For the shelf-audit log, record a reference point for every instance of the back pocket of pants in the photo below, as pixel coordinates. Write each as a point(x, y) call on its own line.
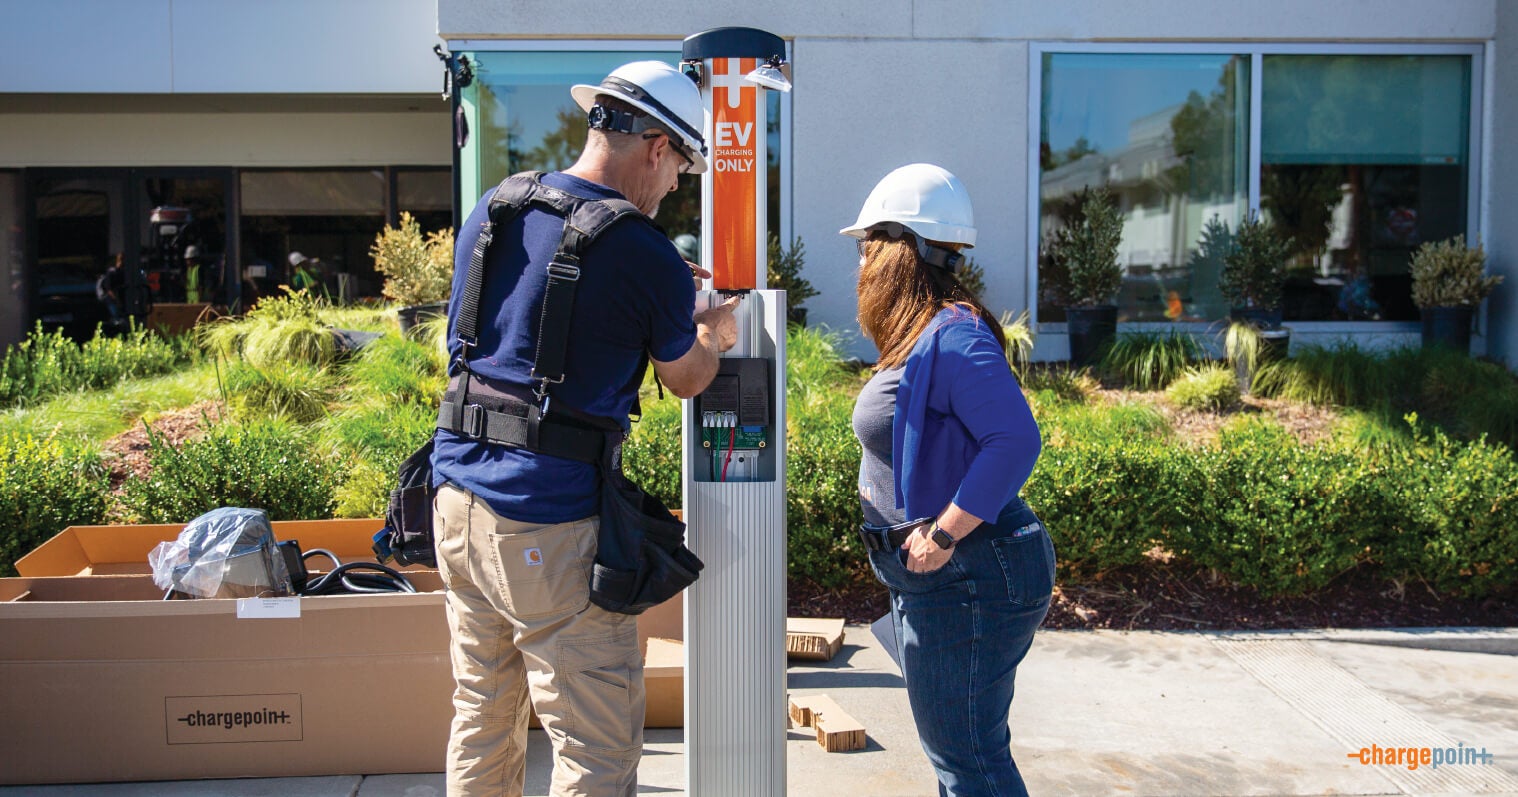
point(545, 574)
point(1027, 562)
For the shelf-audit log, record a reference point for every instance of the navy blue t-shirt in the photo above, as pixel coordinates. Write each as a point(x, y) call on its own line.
point(634, 293)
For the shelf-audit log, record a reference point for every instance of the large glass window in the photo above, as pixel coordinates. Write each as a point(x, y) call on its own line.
point(1168, 135)
point(329, 217)
point(527, 120)
point(1363, 158)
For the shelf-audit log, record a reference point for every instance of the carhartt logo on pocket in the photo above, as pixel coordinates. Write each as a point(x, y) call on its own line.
point(534, 557)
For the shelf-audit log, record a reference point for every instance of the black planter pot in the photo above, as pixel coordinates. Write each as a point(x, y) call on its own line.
point(1274, 345)
point(1259, 317)
point(412, 315)
point(1448, 326)
point(1091, 331)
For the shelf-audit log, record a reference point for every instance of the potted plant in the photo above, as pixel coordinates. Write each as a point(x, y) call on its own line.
point(1448, 283)
point(1082, 259)
point(418, 271)
point(1252, 279)
point(784, 267)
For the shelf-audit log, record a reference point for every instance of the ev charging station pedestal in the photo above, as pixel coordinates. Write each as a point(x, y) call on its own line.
point(733, 444)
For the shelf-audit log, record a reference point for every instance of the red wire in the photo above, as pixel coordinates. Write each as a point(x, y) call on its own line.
point(730, 436)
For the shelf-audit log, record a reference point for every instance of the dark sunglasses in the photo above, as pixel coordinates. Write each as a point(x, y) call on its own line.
point(675, 145)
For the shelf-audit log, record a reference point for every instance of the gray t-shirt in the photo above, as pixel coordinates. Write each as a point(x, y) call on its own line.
point(874, 411)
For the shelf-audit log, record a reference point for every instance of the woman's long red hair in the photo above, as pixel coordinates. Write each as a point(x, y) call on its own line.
point(899, 295)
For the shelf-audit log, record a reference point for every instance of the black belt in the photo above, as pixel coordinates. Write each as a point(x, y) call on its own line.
point(889, 538)
point(505, 415)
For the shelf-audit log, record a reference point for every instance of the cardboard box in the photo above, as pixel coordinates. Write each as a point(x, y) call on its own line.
point(813, 638)
point(101, 680)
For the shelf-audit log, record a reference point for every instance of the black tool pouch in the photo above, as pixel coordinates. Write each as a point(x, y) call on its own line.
point(641, 559)
point(407, 535)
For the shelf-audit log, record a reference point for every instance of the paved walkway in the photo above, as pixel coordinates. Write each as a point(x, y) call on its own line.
point(1138, 713)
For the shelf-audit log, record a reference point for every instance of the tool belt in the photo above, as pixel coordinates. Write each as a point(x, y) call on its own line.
point(509, 415)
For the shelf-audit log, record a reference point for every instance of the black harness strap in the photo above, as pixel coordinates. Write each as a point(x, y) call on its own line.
point(501, 415)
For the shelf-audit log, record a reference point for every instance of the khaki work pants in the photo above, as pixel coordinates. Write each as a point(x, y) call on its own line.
point(522, 627)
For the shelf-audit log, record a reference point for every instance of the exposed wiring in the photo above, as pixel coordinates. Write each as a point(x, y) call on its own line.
point(731, 435)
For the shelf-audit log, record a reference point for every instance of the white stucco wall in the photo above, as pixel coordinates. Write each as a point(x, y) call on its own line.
point(218, 46)
point(879, 84)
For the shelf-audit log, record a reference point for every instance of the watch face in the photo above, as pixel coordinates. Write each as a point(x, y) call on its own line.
point(943, 539)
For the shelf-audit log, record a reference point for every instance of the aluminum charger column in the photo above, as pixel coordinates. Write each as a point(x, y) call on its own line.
point(735, 713)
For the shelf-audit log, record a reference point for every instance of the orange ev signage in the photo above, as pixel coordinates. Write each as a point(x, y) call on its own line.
point(735, 161)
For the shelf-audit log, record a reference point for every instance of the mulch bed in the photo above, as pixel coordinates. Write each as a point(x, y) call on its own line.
point(126, 454)
point(1162, 600)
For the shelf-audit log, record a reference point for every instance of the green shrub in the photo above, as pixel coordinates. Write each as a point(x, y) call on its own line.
point(47, 364)
point(1281, 517)
point(1151, 360)
point(267, 464)
point(1463, 507)
point(374, 437)
point(1210, 387)
point(1109, 499)
point(46, 485)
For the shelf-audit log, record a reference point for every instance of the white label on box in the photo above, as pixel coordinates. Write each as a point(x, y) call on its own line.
point(257, 608)
point(211, 719)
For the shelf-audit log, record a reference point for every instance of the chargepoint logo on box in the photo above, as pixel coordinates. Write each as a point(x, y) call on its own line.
point(211, 719)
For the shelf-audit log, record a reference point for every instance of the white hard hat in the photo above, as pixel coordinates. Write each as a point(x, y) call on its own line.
point(191, 251)
point(662, 92)
point(926, 199)
point(296, 258)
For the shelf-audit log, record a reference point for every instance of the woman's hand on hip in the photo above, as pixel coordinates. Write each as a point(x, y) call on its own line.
point(923, 554)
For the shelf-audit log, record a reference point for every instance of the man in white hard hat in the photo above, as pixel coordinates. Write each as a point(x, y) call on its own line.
point(516, 529)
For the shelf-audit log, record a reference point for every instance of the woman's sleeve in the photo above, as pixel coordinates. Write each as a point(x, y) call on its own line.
point(981, 392)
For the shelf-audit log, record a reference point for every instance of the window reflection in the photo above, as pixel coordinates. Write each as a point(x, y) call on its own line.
point(1168, 134)
point(1363, 158)
point(528, 121)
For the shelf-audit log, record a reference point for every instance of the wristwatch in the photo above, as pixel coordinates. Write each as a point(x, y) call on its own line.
point(943, 538)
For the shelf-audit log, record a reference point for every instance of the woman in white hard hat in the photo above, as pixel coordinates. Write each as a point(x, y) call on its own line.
point(947, 441)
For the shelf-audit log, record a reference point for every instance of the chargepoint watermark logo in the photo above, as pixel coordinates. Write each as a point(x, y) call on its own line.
point(209, 719)
point(1415, 757)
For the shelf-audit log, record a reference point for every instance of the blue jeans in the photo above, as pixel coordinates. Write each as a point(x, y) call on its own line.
point(962, 630)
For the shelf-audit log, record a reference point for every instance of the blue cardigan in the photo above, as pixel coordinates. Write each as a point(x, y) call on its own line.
point(962, 429)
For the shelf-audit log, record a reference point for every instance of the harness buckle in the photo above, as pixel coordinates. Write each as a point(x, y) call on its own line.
point(473, 422)
point(563, 269)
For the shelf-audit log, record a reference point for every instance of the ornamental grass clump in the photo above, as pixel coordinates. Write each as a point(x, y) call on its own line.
point(1151, 360)
point(1213, 388)
point(418, 270)
point(1450, 274)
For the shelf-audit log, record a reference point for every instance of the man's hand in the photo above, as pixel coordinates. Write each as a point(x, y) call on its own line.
point(720, 324)
point(697, 273)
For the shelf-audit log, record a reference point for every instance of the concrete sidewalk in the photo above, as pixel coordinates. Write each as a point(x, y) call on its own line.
point(1140, 713)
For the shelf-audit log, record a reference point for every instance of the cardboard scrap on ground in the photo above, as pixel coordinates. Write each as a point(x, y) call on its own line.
point(836, 731)
point(813, 638)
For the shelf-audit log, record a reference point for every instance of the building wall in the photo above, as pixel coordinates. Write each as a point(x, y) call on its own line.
point(879, 84)
point(219, 46)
